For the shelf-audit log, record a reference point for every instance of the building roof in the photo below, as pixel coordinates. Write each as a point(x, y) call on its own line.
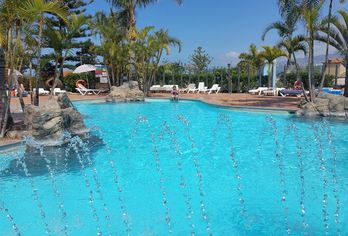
point(67, 72)
point(335, 61)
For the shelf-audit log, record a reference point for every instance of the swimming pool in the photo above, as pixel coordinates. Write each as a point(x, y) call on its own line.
point(161, 168)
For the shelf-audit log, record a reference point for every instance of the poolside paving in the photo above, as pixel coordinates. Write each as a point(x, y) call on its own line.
point(15, 105)
point(241, 100)
point(235, 99)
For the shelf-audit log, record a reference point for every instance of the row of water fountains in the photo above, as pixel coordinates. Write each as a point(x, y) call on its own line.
point(78, 156)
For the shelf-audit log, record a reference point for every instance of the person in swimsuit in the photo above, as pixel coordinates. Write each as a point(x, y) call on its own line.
point(298, 85)
point(175, 94)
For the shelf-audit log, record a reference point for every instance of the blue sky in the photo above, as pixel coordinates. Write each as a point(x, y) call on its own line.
point(224, 28)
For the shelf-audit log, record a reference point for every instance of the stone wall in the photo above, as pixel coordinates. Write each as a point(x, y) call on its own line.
point(50, 124)
point(326, 105)
point(128, 92)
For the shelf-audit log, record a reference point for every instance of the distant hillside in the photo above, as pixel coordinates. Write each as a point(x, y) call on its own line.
point(318, 60)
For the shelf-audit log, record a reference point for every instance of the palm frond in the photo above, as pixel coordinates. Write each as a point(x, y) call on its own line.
point(34, 8)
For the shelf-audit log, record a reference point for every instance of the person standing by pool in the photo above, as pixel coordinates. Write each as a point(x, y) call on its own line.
point(175, 94)
point(22, 90)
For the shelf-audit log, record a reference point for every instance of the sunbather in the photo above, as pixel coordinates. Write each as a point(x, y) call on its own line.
point(298, 85)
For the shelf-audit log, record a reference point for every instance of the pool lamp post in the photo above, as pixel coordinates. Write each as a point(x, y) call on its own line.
point(229, 78)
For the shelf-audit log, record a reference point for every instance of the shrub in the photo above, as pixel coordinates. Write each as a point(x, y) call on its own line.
point(69, 82)
point(291, 78)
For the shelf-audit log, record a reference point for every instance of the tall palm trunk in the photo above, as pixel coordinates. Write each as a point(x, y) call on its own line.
point(270, 75)
point(21, 100)
point(249, 75)
point(30, 81)
point(299, 78)
point(131, 38)
point(3, 80)
point(132, 23)
point(113, 76)
point(37, 76)
point(346, 79)
point(296, 67)
point(311, 64)
point(55, 79)
point(6, 119)
point(286, 70)
point(327, 48)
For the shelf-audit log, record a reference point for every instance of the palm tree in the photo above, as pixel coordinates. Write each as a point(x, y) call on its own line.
point(290, 47)
point(327, 43)
point(287, 7)
point(253, 59)
point(113, 47)
point(337, 34)
point(148, 50)
point(128, 12)
point(310, 12)
point(11, 32)
point(285, 27)
point(290, 13)
point(270, 54)
point(30, 48)
point(62, 42)
point(35, 11)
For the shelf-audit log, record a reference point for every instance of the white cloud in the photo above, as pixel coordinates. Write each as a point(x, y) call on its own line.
point(230, 57)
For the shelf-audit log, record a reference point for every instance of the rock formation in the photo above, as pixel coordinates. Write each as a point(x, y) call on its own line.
point(128, 92)
point(326, 105)
point(50, 124)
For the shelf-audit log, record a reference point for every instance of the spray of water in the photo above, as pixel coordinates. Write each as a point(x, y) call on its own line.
point(31, 142)
point(36, 197)
point(9, 217)
point(155, 140)
point(323, 169)
point(199, 176)
point(183, 182)
point(226, 122)
point(333, 150)
point(75, 144)
point(125, 218)
point(85, 152)
point(292, 128)
point(280, 160)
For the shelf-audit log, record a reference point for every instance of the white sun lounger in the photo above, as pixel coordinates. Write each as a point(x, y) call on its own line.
point(258, 90)
point(83, 90)
point(58, 91)
point(202, 88)
point(162, 89)
point(155, 88)
point(215, 88)
point(189, 88)
point(42, 91)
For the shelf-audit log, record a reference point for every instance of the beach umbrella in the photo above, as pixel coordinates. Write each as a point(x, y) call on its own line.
point(84, 69)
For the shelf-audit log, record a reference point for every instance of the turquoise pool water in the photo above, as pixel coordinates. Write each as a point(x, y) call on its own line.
point(182, 168)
